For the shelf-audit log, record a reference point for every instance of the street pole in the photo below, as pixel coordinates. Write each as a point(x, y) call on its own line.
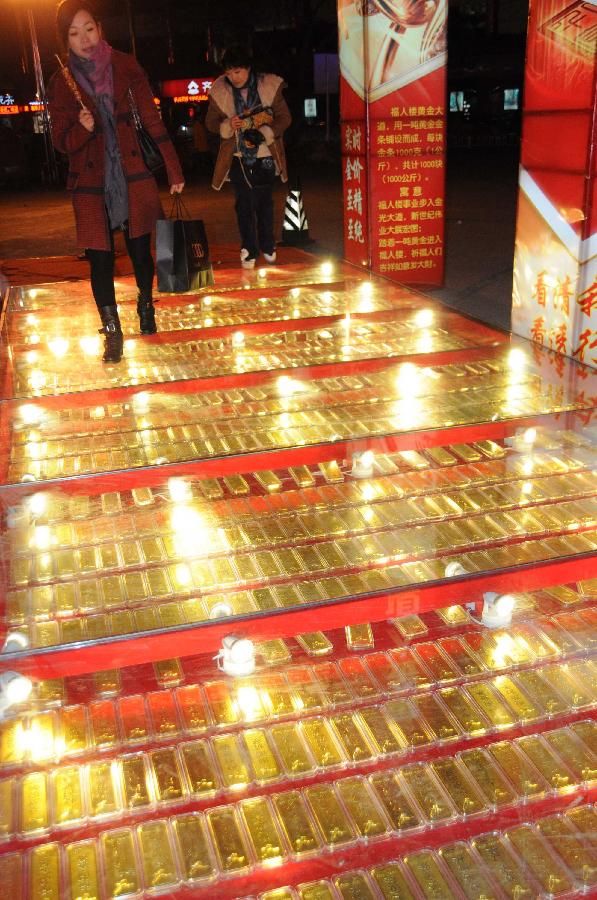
point(52, 167)
point(129, 16)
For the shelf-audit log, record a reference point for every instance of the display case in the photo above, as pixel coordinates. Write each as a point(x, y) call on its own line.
point(299, 599)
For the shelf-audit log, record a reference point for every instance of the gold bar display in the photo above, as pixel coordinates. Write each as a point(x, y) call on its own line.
point(329, 815)
point(564, 841)
point(353, 886)
point(296, 822)
point(167, 775)
point(200, 769)
point(427, 793)
point(135, 782)
point(315, 890)
point(363, 810)
point(466, 872)
point(7, 807)
point(263, 762)
point(428, 875)
point(557, 775)
point(266, 841)
point(35, 814)
point(322, 743)
point(524, 777)
point(291, 749)
point(491, 781)
point(466, 798)
point(552, 876)
point(68, 795)
point(103, 792)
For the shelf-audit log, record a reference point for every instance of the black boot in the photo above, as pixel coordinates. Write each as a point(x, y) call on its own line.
point(113, 333)
point(146, 314)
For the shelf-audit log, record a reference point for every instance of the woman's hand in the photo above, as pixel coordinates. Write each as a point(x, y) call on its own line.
point(177, 188)
point(236, 122)
point(86, 119)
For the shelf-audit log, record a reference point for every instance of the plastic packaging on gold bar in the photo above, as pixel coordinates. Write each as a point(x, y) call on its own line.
point(464, 795)
point(565, 842)
point(555, 773)
point(82, 869)
point(261, 757)
point(44, 873)
point(296, 822)
point(551, 874)
point(193, 848)
point(227, 837)
point(523, 776)
point(365, 813)
point(120, 868)
point(493, 784)
point(354, 886)
point(136, 790)
point(264, 835)
point(322, 743)
point(167, 776)
point(329, 815)
point(68, 801)
point(466, 872)
point(291, 749)
point(427, 873)
point(34, 812)
point(159, 866)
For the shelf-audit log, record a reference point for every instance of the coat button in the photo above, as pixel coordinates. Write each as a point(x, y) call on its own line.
point(90, 165)
point(133, 153)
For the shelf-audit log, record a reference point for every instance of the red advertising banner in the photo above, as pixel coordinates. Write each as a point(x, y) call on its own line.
point(555, 263)
point(187, 90)
point(392, 107)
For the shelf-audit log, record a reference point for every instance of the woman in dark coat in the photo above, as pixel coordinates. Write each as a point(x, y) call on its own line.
point(92, 123)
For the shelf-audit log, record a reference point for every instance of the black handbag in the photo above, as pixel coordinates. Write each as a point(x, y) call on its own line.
point(152, 157)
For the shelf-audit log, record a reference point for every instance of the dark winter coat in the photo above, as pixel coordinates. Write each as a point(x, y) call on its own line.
point(85, 151)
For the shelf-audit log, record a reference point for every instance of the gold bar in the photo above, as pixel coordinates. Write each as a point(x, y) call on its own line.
point(466, 871)
point(11, 876)
point(334, 686)
point(316, 890)
point(135, 785)
point(549, 873)
point(302, 476)
point(274, 652)
point(200, 768)
point(359, 637)
point(7, 807)
point(44, 873)
point(524, 777)
point(503, 867)
point(436, 718)
point(314, 643)
point(381, 733)
point(42, 737)
point(194, 853)
point(491, 705)
point(465, 713)
point(275, 695)
point(424, 868)
point(192, 708)
point(492, 783)
point(398, 808)
point(219, 698)
point(268, 480)
point(228, 754)
point(163, 713)
point(103, 798)
point(428, 795)
point(366, 815)
point(321, 742)
point(167, 775)
point(263, 832)
point(291, 749)
point(159, 868)
point(264, 764)
point(81, 861)
point(541, 692)
point(331, 471)
point(353, 885)
point(555, 773)
point(231, 851)
point(120, 863)
point(296, 822)
point(103, 724)
point(393, 885)
point(12, 744)
point(579, 759)
point(461, 791)
point(107, 682)
point(329, 815)
point(68, 795)
point(352, 738)
point(133, 718)
point(34, 803)
point(563, 841)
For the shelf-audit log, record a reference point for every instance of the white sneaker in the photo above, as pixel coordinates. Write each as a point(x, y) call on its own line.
point(245, 262)
point(270, 257)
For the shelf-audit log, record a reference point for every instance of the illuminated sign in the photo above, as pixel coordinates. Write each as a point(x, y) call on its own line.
point(13, 109)
point(184, 90)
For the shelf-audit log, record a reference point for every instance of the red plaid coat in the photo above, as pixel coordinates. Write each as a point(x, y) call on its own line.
point(85, 151)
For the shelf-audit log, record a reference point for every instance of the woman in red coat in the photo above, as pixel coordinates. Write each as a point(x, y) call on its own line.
point(111, 188)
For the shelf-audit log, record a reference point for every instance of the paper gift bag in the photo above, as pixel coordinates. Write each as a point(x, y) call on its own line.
point(182, 253)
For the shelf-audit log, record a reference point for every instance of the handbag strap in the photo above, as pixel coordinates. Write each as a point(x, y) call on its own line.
point(134, 110)
point(179, 208)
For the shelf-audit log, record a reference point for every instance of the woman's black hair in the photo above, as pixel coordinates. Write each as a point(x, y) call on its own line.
point(237, 57)
point(66, 12)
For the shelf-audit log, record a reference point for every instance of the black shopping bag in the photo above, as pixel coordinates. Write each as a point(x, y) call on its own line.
point(182, 252)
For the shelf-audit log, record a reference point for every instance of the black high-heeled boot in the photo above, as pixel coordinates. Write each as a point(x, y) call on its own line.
point(112, 333)
point(146, 313)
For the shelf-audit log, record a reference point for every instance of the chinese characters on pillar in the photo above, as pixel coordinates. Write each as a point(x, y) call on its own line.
point(555, 264)
point(354, 162)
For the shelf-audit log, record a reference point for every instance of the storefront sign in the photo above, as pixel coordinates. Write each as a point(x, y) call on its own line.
point(185, 90)
point(392, 104)
point(555, 264)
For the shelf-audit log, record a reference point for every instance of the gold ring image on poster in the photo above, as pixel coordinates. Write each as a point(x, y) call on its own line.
point(387, 44)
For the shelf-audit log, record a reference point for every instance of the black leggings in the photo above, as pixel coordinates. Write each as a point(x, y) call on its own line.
point(102, 268)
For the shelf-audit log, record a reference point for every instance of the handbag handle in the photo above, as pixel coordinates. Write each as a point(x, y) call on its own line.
point(179, 209)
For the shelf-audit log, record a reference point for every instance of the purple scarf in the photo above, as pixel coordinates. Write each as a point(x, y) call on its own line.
point(95, 74)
